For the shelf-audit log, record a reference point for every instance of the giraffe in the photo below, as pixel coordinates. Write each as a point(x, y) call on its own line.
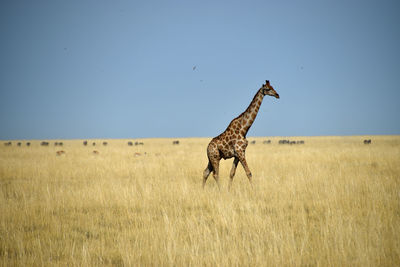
point(232, 142)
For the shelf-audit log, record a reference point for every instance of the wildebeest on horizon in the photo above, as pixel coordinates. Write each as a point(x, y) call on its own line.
point(130, 143)
point(44, 143)
point(175, 142)
point(267, 142)
point(367, 142)
point(19, 144)
point(28, 144)
point(138, 143)
point(8, 143)
point(85, 143)
point(289, 142)
point(105, 143)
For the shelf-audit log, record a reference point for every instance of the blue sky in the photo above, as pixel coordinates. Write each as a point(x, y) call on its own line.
point(124, 69)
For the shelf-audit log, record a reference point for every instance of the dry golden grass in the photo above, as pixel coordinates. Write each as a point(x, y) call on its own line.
point(331, 202)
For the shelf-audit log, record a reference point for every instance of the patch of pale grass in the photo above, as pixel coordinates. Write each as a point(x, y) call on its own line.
point(332, 201)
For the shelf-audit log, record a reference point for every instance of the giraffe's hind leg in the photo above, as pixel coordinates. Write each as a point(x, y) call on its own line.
point(213, 162)
point(215, 166)
point(207, 172)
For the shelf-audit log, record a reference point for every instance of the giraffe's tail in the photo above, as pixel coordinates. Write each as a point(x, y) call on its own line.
point(209, 168)
point(207, 172)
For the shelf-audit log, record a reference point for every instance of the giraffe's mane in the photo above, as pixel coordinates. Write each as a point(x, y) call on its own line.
point(241, 114)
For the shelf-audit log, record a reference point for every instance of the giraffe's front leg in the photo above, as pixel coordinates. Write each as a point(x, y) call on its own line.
point(233, 171)
point(240, 149)
point(242, 159)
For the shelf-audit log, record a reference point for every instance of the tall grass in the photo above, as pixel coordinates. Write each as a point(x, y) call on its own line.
point(330, 202)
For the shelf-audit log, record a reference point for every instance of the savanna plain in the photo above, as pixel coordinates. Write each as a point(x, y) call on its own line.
point(332, 201)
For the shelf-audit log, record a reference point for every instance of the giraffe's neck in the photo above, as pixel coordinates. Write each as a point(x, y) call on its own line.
point(249, 115)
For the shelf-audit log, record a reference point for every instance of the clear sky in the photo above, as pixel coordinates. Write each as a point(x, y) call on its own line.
point(124, 69)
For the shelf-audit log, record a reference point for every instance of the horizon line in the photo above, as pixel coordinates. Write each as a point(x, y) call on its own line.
point(194, 137)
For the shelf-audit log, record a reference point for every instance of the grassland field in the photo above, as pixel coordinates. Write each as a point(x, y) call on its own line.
point(332, 201)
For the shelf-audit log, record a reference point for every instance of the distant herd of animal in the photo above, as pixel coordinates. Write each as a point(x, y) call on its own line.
point(85, 143)
point(175, 142)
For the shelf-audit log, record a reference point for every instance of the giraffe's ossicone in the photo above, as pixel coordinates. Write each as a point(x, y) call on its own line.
point(232, 142)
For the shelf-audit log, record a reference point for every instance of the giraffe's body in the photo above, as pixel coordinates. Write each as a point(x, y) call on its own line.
point(232, 142)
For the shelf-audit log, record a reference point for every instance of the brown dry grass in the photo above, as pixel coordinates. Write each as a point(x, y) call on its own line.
point(331, 202)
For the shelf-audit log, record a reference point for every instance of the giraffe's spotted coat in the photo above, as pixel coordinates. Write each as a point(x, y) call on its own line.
point(232, 142)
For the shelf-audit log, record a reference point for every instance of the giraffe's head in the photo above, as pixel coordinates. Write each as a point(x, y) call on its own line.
point(267, 89)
